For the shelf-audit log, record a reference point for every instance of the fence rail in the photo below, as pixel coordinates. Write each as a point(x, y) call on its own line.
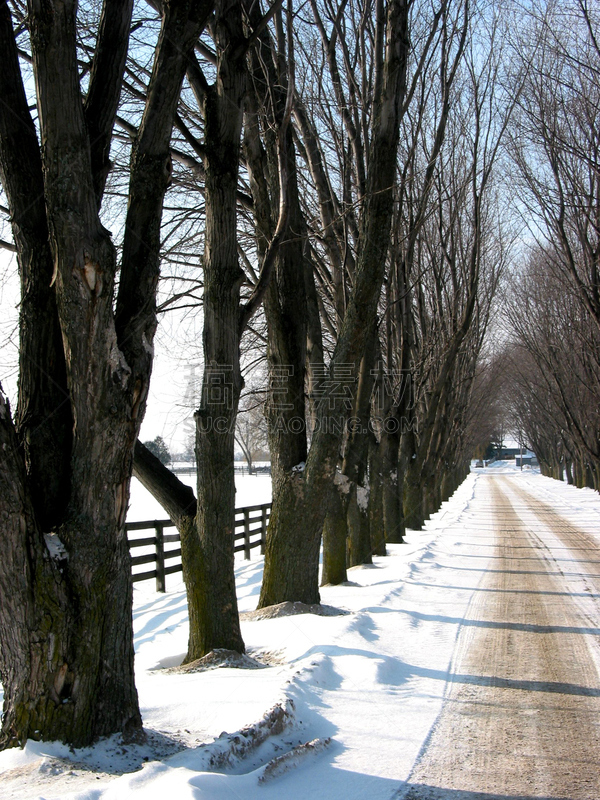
point(239, 469)
point(250, 532)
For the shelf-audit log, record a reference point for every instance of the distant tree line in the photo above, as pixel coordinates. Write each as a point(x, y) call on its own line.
point(551, 364)
point(159, 449)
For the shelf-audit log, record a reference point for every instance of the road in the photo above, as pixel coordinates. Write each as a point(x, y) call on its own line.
point(521, 717)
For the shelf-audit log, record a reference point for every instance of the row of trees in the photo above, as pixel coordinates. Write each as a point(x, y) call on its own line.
point(379, 296)
point(552, 362)
point(334, 203)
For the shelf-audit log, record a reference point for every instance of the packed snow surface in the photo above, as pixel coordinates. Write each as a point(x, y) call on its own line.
point(335, 706)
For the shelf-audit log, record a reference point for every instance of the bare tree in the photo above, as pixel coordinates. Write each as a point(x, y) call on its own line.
point(251, 428)
point(555, 373)
point(231, 297)
point(65, 589)
point(292, 554)
point(555, 308)
point(454, 269)
point(556, 141)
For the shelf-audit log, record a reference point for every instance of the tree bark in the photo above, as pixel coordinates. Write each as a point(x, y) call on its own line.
point(43, 416)
point(359, 534)
point(301, 582)
point(393, 516)
point(179, 502)
point(335, 537)
point(67, 663)
point(218, 622)
point(356, 458)
point(285, 303)
point(376, 499)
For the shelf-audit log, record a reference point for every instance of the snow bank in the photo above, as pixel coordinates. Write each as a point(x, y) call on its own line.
point(343, 703)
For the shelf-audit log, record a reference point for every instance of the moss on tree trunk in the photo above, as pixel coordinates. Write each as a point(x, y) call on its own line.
point(335, 534)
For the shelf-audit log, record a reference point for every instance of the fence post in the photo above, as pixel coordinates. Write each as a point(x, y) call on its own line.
point(263, 529)
point(246, 534)
point(160, 558)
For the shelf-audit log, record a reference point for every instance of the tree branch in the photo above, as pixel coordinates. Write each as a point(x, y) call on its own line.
point(250, 307)
point(150, 176)
point(106, 80)
point(178, 499)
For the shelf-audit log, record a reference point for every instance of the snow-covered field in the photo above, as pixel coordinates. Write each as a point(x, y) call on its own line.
point(250, 490)
point(364, 687)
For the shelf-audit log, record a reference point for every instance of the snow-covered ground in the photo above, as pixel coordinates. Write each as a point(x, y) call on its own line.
point(363, 687)
point(250, 490)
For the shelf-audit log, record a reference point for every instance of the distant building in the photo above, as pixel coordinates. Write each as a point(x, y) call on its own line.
point(528, 459)
point(508, 452)
point(508, 448)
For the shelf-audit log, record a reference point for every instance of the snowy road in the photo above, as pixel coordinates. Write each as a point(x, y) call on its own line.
point(522, 712)
point(465, 667)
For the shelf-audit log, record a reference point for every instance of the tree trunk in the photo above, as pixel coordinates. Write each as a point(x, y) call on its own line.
point(356, 458)
point(285, 299)
point(447, 486)
point(569, 471)
point(359, 535)
point(414, 513)
point(43, 419)
point(179, 502)
point(65, 623)
point(218, 623)
point(291, 547)
point(335, 535)
point(312, 502)
point(65, 612)
point(393, 515)
point(432, 496)
point(376, 499)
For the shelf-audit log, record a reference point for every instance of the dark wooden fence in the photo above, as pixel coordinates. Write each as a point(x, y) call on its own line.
point(250, 532)
point(239, 469)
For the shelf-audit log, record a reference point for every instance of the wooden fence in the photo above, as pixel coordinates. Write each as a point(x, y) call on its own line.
point(239, 469)
point(250, 532)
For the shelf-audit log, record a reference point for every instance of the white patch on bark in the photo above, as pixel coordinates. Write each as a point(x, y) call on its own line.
point(342, 482)
point(54, 273)
point(55, 547)
point(282, 764)
point(51, 645)
point(362, 497)
point(121, 496)
point(148, 346)
point(4, 407)
point(139, 394)
point(394, 477)
point(91, 273)
point(118, 364)
point(59, 679)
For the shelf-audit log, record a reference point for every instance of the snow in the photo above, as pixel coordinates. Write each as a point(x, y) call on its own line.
point(342, 482)
point(362, 497)
point(55, 547)
point(250, 490)
point(338, 706)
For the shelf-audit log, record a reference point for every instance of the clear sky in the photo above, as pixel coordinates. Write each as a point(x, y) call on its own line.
point(169, 411)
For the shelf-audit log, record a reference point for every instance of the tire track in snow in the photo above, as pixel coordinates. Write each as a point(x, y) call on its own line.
point(522, 713)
